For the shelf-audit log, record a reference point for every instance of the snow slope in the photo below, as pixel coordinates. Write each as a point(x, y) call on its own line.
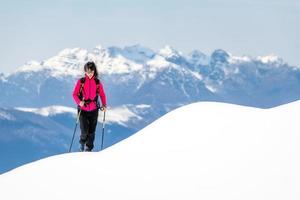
point(200, 151)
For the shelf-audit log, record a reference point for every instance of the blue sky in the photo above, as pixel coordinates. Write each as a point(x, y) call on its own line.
point(37, 30)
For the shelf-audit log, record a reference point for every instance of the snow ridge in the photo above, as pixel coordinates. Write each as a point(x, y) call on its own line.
point(224, 158)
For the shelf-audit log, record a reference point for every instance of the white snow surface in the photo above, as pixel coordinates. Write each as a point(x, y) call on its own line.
point(200, 151)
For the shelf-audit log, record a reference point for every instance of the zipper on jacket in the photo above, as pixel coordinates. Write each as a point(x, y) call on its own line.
point(89, 93)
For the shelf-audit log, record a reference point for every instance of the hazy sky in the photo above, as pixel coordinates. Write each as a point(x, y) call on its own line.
point(37, 30)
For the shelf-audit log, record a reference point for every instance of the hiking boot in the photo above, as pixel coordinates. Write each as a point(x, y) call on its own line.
point(88, 149)
point(81, 148)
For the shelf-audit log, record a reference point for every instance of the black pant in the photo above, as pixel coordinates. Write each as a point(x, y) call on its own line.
point(88, 123)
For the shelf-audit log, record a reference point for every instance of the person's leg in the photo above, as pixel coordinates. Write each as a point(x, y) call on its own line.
point(84, 126)
point(93, 117)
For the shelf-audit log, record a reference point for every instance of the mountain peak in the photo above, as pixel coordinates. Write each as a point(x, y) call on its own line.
point(198, 58)
point(219, 55)
point(272, 58)
point(73, 53)
point(139, 49)
point(68, 60)
point(168, 52)
point(30, 66)
point(98, 49)
point(196, 54)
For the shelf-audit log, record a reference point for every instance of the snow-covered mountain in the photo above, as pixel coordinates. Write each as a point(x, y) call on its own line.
point(139, 75)
point(193, 152)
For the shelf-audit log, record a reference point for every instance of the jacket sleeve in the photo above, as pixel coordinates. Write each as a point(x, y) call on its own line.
point(102, 94)
point(75, 92)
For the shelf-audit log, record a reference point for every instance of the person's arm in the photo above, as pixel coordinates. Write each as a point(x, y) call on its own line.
point(102, 95)
point(76, 92)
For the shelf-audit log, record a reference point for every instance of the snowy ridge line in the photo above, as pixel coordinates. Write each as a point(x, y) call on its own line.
point(200, 151)
point(114, 60)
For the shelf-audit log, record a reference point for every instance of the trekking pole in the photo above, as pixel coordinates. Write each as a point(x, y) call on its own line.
point(75, 130)
point(103, 125)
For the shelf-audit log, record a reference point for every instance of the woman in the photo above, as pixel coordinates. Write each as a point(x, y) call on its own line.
point(86, 94)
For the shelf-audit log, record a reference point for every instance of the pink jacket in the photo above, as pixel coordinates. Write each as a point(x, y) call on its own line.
point(89, 93)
